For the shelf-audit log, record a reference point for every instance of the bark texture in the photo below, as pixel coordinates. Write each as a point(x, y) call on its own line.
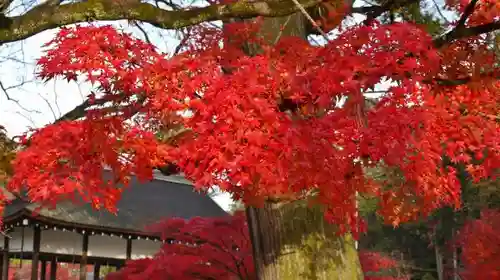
point(293, 241)
point(48, 15)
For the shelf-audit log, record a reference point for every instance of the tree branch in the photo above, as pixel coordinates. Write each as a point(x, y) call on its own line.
point(464, 32)
point(44, 17)
point(79, 111)
point(372, 12)
point(461, 31)
point(468, 11)
point(466, 80)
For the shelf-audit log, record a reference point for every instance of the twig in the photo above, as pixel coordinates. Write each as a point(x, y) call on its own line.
point(181, 44)
point(48, 105)
point(28, 118)
point(281, 30)
point(311, 20)
point(56, 99)
point(440, 12)
point(9, 98)
point(144, 33)
point(468, 11)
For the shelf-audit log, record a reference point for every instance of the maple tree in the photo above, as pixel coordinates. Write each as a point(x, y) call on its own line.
point(267, 126)
point(198, 248)
point(220, 248)
point(252, 129)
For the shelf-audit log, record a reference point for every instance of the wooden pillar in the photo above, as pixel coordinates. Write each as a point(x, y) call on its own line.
point(97, 271)
point(6, 259)
point(129, 249)
point(53, 269)
point(83, 261)
point(1, 265)
point(43, 271)
point(36, 253)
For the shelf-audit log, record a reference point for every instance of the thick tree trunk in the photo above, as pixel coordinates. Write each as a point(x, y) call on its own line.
point(293, 241)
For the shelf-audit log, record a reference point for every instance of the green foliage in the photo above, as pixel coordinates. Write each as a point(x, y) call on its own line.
point(7, 154)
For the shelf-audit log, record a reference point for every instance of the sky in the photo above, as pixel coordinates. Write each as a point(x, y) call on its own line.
point(34, 103)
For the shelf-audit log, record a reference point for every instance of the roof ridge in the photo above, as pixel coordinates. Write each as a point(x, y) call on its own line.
point(157, 175)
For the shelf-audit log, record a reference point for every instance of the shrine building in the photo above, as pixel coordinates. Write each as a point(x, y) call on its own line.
point(95, 242)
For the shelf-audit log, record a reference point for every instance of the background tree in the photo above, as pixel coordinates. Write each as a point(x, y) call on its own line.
point(478, 241)
point(7, 154)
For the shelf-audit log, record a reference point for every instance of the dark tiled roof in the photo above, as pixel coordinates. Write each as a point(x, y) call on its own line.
point(142, 204)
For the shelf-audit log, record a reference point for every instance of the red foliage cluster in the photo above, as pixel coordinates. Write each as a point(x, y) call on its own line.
point(480, 243)
point(376, 266)
point(75, 152)
point(269, 125)
point(200, 248)
point(73, 158)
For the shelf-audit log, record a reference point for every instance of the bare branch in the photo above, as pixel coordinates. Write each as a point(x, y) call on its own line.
point(182, 43)
point(143, 31)
point(44, 17)
point(438, 9)
point(56, 99)
point(27, 117)
point(5, 91)
point(48, 105)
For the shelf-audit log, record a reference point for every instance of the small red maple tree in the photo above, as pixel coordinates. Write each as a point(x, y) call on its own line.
point(479, 241)
point(199, 248)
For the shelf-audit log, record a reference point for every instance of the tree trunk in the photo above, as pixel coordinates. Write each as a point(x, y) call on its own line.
point(439, 262)
point(293, 241)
